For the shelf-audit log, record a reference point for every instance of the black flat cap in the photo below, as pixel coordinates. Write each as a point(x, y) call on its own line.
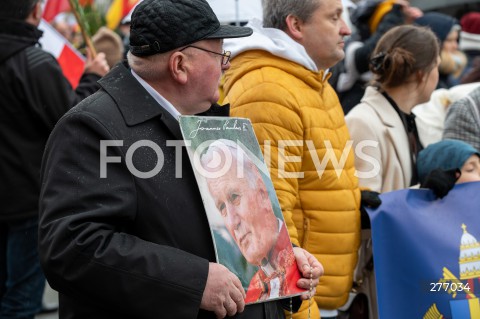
point(159, 26)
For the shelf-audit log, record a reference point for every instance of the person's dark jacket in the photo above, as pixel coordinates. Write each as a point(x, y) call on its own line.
point(393, 18)
point(473, 73)
point(125, 246)
point(34, 94)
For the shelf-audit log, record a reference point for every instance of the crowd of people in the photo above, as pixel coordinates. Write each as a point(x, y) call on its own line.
point(79, 211)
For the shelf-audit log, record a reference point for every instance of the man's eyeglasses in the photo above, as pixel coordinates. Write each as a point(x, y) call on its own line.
point(225, 55)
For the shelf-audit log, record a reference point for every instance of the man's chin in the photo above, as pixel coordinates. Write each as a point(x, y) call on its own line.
point(254, 260)
point(215, 98)
point(203, 107)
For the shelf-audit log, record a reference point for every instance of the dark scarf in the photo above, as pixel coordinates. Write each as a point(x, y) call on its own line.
point(410, 126)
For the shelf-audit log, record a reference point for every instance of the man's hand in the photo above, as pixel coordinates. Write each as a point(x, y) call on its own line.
point(224, 294)
point(309, 267)
point(97, 65)
point(410, 13)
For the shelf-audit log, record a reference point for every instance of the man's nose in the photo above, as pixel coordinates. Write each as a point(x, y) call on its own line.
point(233, 219)
point(344, 28)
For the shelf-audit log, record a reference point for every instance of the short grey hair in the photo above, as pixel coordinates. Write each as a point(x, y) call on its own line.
point(148, 67)
point(275, 12)
point(234, 149)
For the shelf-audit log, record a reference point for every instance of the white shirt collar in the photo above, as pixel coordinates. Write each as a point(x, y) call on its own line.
point(158, 97)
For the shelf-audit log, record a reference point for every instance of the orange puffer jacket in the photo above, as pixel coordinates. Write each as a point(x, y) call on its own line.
point(297, 116)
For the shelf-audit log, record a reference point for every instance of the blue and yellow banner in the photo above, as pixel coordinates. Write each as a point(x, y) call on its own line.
point(427, 253)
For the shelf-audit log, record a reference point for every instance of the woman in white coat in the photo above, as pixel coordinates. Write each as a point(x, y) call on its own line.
point(405, 68)
point(385, 139)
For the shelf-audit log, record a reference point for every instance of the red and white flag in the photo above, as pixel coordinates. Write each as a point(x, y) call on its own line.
point(71, 61)
point(54, 7)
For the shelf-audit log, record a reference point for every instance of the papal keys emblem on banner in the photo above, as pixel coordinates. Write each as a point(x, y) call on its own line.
point(469, 265)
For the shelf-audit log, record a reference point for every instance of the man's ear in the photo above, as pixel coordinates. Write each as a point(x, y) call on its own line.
point(294, 27)
point(262, 188)
point(264, 193)
point(36, 15)
point(178, 66)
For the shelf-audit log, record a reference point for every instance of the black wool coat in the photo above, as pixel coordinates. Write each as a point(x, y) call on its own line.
point(124, 246)
point(34, 94)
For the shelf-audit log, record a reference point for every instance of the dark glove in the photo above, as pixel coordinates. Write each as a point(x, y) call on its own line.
point(369, 199)
point(441, 181)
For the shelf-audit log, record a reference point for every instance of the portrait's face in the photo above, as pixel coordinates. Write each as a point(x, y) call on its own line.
point(323, 34)
point(246, 210)
point(470, 170)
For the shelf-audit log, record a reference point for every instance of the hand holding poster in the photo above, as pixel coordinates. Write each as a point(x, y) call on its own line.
point(427, 254)
point(245, 218)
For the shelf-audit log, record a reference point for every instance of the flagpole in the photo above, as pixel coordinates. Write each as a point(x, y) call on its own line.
point(88, 42)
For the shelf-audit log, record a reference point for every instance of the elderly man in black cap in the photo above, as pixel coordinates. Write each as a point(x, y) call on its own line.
point(123, 232)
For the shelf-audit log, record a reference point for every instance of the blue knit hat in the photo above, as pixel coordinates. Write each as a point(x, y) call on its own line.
point(446, 155)
point(440, 23)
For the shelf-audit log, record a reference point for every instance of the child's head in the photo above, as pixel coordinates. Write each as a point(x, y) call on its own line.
point(447, 155)
point(442, 25)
